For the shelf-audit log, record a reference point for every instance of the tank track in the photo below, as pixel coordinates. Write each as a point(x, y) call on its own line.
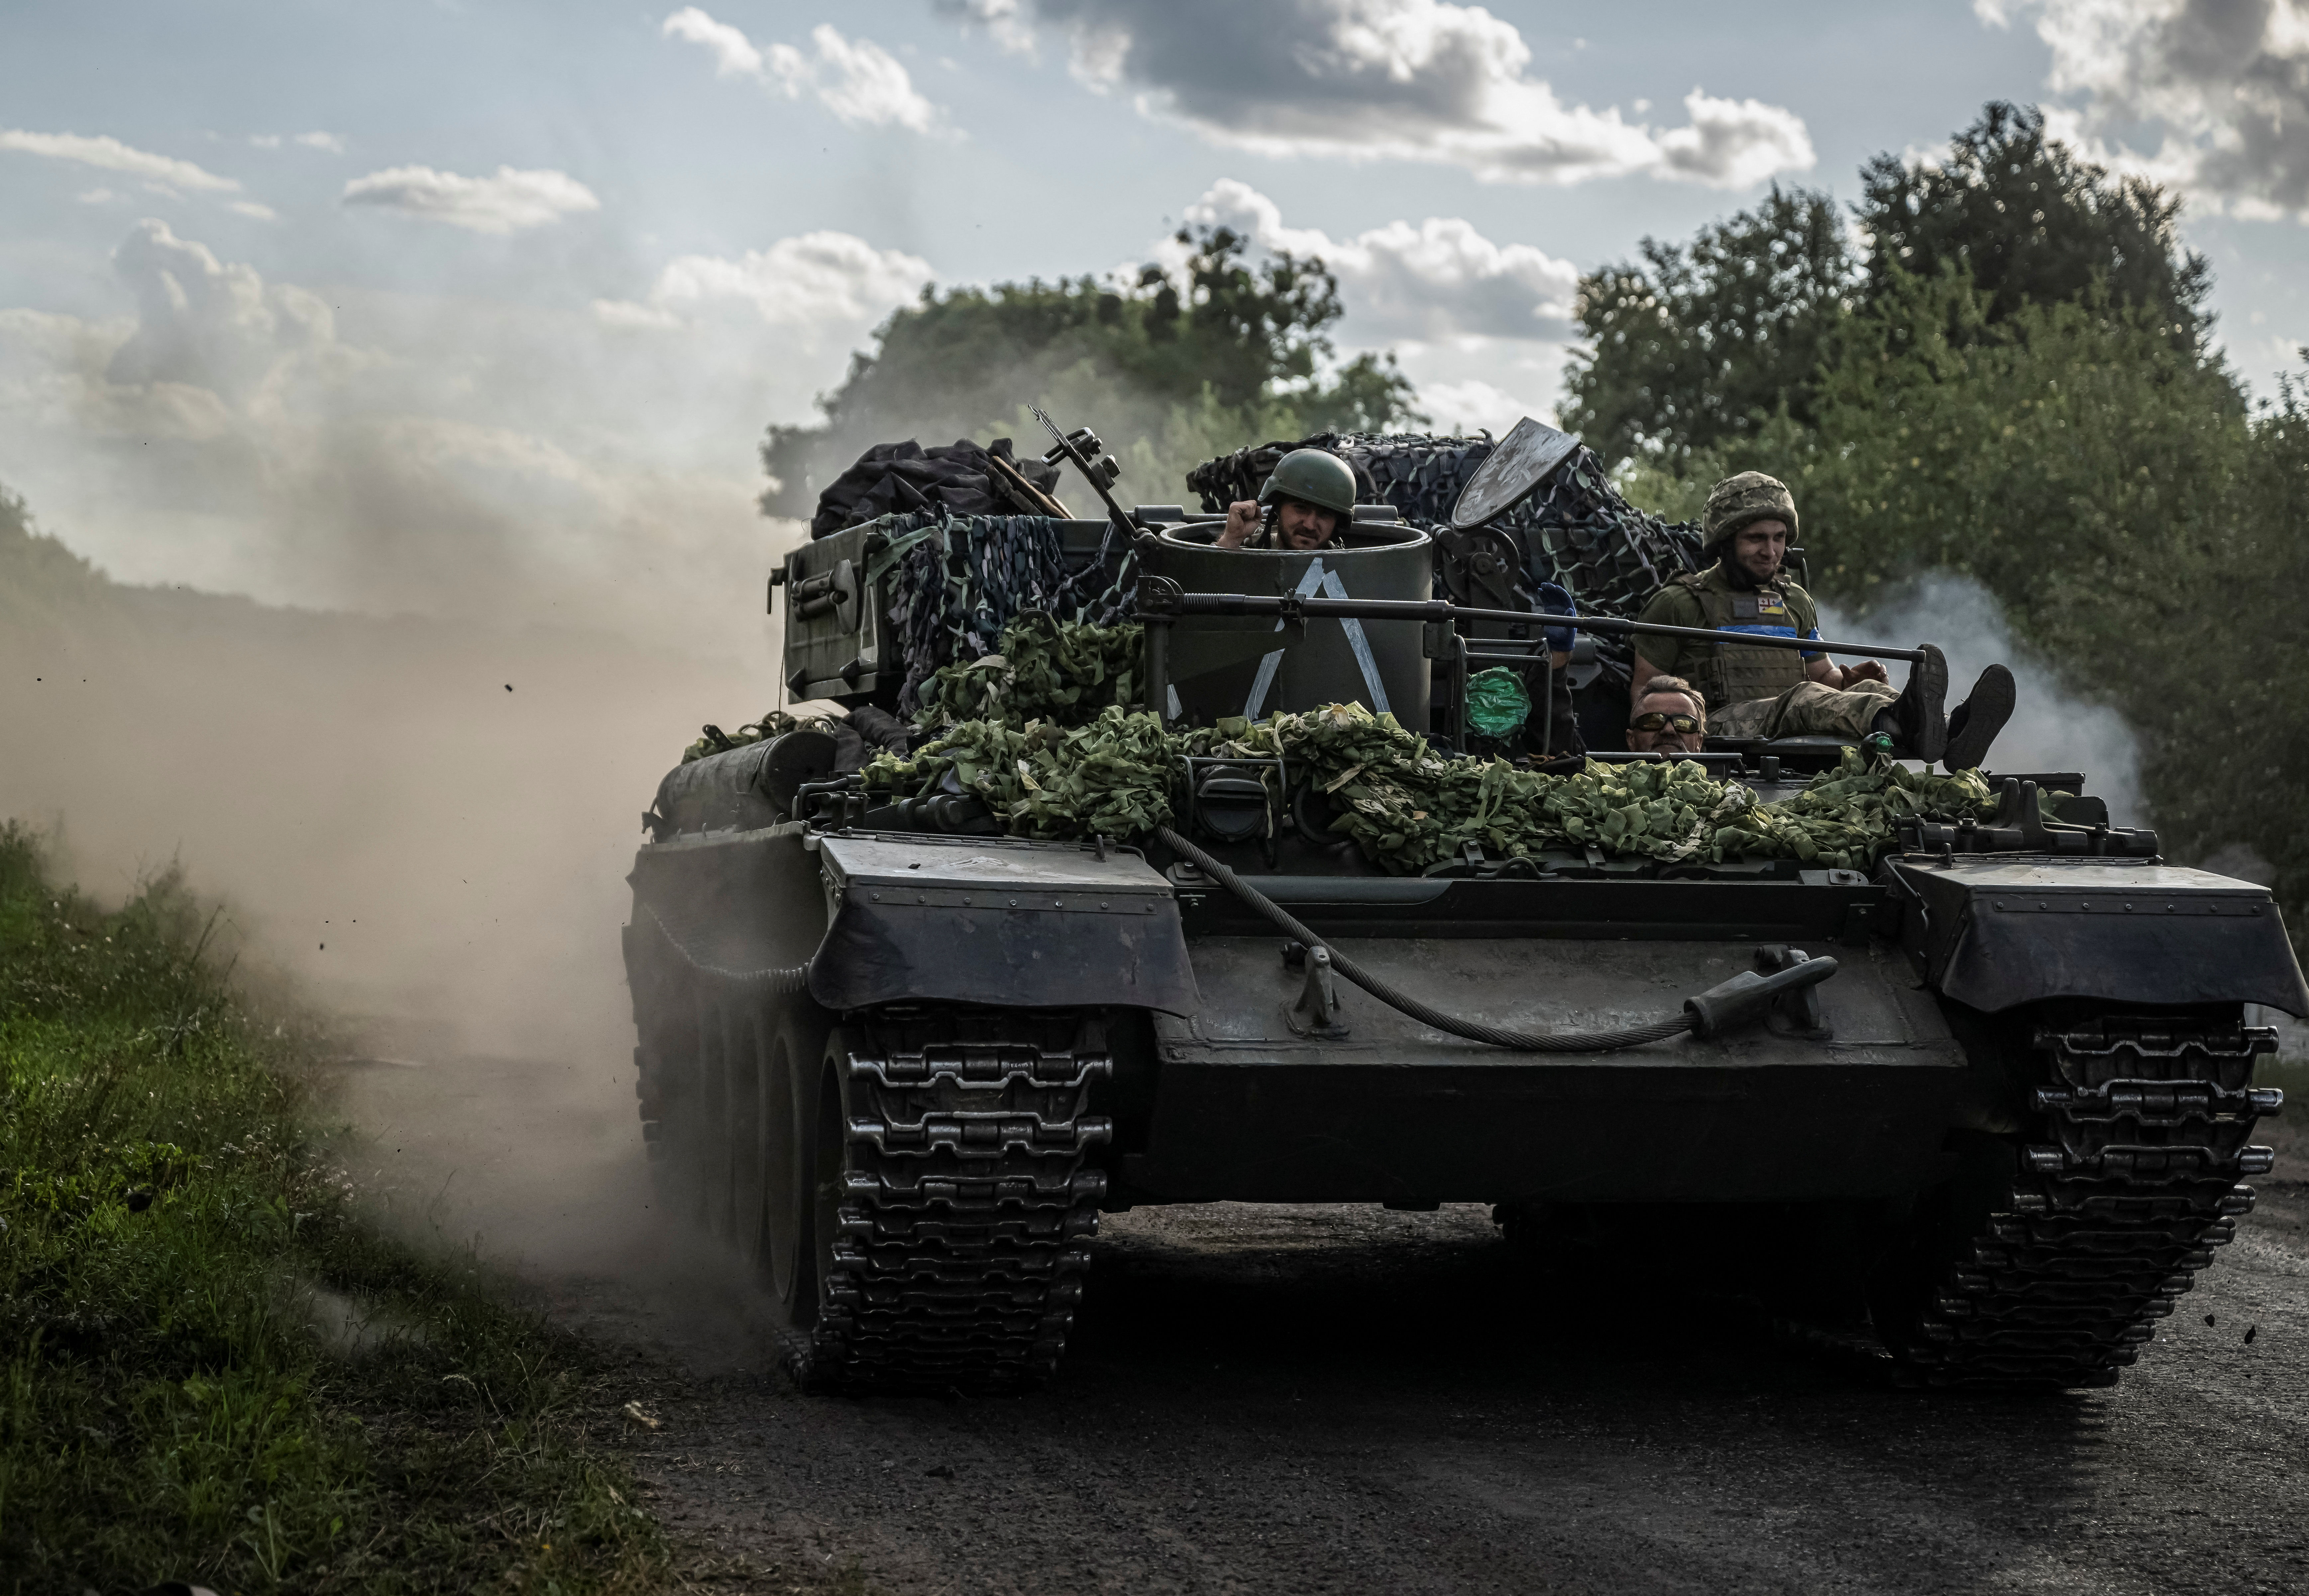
point(967, 1204)
point(2111, 1217)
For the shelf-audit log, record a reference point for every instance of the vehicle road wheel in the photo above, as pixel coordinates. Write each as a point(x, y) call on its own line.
point(801, 1246)
point(745, 1081)
point(718, 1018)
point(793, 1060)
point(673, 1053)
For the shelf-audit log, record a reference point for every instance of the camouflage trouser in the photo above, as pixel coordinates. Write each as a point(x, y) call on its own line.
point(1807, 709)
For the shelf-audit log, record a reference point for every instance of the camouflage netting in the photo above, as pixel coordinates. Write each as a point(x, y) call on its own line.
point(1090, 766)
point(956, 581)
point(1576, 530)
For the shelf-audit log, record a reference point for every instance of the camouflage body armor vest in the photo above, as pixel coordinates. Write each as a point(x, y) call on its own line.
point(1725, 673)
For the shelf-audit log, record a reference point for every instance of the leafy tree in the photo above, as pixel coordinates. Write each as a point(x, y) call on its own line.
point(2238, 721)
point(1145, 365)
point(1695, 346)
point(2032, 223)
point(2070, 457)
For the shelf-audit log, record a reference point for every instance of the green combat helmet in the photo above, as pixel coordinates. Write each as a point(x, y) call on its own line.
point(1317, 477)
point(1741, 501)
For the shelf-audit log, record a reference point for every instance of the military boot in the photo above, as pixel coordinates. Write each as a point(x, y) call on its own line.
point(1973, 725)
point(1920, 711)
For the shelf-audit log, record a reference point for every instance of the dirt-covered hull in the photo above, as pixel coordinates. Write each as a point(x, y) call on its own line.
point(1245, 1108)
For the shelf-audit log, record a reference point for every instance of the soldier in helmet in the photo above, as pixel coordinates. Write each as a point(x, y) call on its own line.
point(1749, 520)
point(1308, 498)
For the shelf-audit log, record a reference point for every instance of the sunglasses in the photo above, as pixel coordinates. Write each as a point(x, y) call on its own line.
point(1656, 722)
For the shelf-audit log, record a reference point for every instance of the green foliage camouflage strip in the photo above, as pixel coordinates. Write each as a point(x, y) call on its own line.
point(1408, 807)
point(1049, 670)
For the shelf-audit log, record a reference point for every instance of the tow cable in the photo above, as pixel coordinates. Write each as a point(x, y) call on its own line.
point(1745, 998)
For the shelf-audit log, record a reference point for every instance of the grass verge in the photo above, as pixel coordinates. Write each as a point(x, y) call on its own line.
point(209, 1368)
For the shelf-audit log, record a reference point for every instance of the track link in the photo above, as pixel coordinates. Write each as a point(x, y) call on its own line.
point(2110, 1215)
point(967, 1204)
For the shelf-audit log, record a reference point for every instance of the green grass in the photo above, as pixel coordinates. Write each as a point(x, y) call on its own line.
point(211, 1368)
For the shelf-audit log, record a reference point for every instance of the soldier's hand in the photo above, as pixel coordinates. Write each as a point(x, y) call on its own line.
point(1242, 520)
point(1867, 670)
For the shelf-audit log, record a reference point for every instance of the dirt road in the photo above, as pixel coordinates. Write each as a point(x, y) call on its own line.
point(1267, 1399)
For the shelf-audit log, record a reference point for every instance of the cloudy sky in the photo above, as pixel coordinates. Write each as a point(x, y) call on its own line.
point(479, 308)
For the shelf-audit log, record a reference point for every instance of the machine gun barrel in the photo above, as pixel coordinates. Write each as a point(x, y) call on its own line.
point(1122, 522)
point(1290, 606)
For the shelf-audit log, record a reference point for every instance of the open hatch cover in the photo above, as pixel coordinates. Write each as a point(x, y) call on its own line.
point(1525, 458)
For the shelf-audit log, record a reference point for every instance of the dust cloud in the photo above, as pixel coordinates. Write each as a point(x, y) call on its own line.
point(423, 825)
point(2053, 726)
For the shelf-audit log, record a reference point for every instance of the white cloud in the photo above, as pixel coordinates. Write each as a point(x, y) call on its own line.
point(204, 324)
point(328, 142)
point(493, 460)
point(96, 196)
point(1733, 144)
point(1410, 80)
point(734, 55)
point(634, 316)
point(1475, 404)
point(816, 280)
point(505, 202)
point(109, 154)
point(859, 80)
point(1438, 280)
point(1004, 21)
point(2226, 82)
point(251, 208)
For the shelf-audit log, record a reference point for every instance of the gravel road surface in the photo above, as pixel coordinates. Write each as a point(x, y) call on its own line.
point(1281, 1399)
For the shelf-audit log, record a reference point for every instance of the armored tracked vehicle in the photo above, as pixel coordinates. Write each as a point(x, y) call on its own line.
point(1989, 1091)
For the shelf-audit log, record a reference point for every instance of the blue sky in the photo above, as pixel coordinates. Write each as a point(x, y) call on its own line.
point(480, 309)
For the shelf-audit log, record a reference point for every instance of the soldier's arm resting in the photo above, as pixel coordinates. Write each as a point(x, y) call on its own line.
point(1828, 673)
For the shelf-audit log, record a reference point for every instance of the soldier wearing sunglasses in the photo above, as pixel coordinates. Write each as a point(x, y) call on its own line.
point(1669, 718)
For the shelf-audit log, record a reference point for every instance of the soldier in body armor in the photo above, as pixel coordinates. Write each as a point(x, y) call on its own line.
point(1779, 692)
point(1307, 498)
